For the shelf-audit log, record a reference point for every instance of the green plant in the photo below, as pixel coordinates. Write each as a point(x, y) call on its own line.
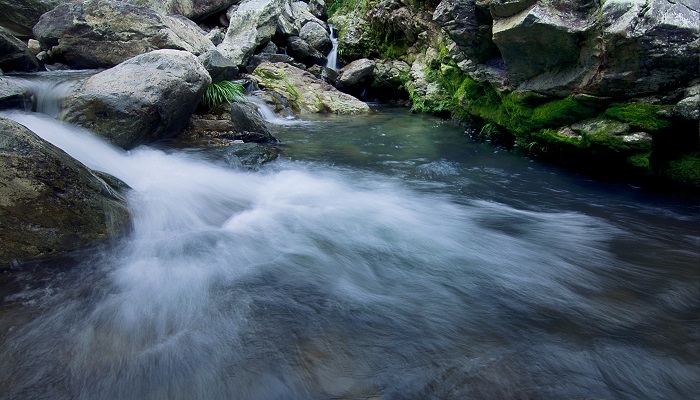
point(639, 115)
point(224, 92)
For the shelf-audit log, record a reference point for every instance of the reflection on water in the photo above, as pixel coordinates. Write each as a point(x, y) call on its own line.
point(383, 257)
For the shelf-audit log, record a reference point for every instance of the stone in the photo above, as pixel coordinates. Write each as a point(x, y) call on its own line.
point(304, 92)
point(249, 125)
point(273, 58)
point(303, 52)
point(469, 27)
point(195, 10)
point(318, 9)
point(144, 99)
point(508, 8)
point(219, 67)
point(20, 16)
point(316, 36)
point(15, 55)
point(252, 24)
point(49, 202)
point(13, 95)
point(389, 78)
point(103, 33)
point(357, 73)
point(689, 107)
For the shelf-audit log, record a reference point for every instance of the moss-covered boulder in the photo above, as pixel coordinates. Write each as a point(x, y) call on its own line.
point(49, 202)
point(304, 92)
point(143, 99)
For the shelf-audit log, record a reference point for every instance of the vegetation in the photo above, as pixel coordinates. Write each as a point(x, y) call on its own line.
point(639, 115)
point(222, 93)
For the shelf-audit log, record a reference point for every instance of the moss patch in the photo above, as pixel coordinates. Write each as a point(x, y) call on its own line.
point(639, 115)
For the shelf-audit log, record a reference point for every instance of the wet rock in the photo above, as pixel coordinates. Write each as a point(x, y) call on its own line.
point(249, 125)
point(143, 99)
point(49, 202)
point(304, 92)
point(103, 33)
point(15, 55)
point(219, 67)
point(252, 24)
point(13, 96)
point(327, 74)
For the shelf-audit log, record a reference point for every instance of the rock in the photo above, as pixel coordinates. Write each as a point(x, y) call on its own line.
point(302, 51)
point(15, 55)
point(143, 99)
point(20, 16)
point(304, 92)
point(328, 75)
point(249, 125)
point(357, 73)
point(49, 202)
point(34, 46)
point(216, 36)
point(469, 27)
point(353, 36)
point(316, 36)
point(689, 107)
point(600, 128)
point(389, 78)
point(648, 46)
point(252, 24)
point(301, 15)
point(13, 96)
point(195, 10)
point(273, 58)
point(219, 67)
point(424, 93)
point(508, 8)
point(550, 47)
point(318, 9)
point(103, 33)
point(269, 48)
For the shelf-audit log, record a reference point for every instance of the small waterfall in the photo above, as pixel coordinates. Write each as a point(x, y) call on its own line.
point(267, 113)
point(50, 88)
point(333, 55)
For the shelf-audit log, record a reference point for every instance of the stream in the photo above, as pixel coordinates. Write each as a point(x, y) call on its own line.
point(384, 256)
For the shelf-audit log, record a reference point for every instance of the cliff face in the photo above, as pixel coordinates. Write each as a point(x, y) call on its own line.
point(552, 77)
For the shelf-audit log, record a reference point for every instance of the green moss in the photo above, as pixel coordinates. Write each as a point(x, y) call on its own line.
point(640, 160)
point(639, 115)
point(685, 170)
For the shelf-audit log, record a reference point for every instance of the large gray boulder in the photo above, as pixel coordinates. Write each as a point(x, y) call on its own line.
point(103, 33)
point(219, 67)
point(49, 202)
point(15, 55)
point(390, 77)
point(648, 46)
point(192, 9)
point(252, 24)
point(316, 36)
point(468, 26)
point(358, 72)
point(304, 92)
point(146, 98)
point(20, 16)
point(304, 52)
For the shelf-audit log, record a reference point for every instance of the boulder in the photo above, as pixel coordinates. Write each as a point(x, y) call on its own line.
point(550, 47)
point(304, 92)
point(15, 55)
point(318, 9)
point(468, 26)
point(19, 17)
point(13, 95)
point(389, 78)
point(252, 24)
point(305, 53)
point(273, 58)
point(648, 46)
point(353, 36)
point(316, 36)
point(249, 125)
point(357, 73)
point(49, 202)
point(689, 107)
point(103, 33)
point(219, 67)
point(508, 8)
point(195, 10)
point(143, 99)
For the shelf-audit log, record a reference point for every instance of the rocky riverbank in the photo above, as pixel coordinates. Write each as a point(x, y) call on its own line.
point(610, 87)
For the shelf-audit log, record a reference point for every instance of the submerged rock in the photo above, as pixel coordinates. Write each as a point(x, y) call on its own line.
point(304, 92)
point(103, 33)
point(146, 98)
point(49, 202)
point(15, 55)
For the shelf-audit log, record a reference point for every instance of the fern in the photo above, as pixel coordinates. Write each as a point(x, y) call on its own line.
point(224, 92)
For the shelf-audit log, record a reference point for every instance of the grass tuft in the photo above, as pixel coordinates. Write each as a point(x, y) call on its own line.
point(224, 92)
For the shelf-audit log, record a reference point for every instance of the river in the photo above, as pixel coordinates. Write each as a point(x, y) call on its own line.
point(384, 256)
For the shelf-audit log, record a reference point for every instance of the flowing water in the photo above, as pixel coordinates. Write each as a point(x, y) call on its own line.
point(332, 56)
point(381, 257)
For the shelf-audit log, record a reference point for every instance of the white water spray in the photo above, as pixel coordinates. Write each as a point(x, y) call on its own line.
point(333, 55)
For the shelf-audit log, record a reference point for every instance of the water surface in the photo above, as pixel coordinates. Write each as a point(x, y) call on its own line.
point(383, 256)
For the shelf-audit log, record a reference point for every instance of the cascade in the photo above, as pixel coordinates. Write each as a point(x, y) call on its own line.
point(333, 55)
